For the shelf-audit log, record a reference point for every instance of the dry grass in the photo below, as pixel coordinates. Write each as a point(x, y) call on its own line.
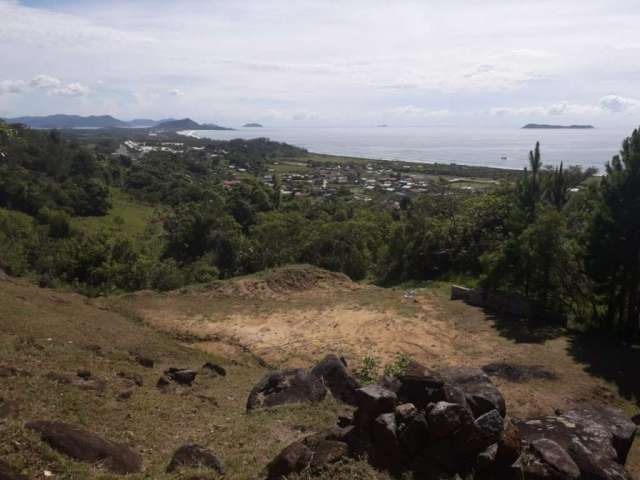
point(264, 317)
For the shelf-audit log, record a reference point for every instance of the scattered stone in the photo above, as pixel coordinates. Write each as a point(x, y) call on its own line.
point(7, 472)
point(85, 383)
point(340, 381)
point(194, 456)
point(294, 458)
point(518, 373)
point(132, 378)
point(143, 360)
point(213, 367)
point(126, 395)
point(183, 376)
point(286, 386)
point(88, 447)
point(481, 394)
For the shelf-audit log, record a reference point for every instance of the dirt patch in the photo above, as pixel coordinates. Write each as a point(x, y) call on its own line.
point(518, 373)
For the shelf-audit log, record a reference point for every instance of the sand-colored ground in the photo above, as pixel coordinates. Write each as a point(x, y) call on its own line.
point(296, 327)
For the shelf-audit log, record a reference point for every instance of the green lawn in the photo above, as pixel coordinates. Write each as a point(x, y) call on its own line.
point(126, 216)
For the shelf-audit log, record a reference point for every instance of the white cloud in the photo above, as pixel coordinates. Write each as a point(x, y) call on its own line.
point(467, 55)
point(417, 112)
point(45, 83)
point(70, 90)
point(618, 104)
point(11, 86)
point(609, 104)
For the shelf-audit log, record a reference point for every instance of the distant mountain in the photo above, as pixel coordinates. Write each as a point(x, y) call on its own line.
point(143, 122)
point(545, 126)
point(187, 124)
point(252, 125)
point(70, 121)
point(107, 121)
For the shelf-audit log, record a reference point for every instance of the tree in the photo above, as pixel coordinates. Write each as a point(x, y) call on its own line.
point(613, 256)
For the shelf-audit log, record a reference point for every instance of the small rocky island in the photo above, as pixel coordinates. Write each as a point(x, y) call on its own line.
point(252, 125)
point(555, 127)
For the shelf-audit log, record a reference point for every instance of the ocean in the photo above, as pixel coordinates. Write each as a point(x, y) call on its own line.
point(494, 147)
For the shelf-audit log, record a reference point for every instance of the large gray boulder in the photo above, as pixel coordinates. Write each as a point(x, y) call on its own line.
point(88, 447)
point(293, 385)
point(598, 439)
point(481, 394)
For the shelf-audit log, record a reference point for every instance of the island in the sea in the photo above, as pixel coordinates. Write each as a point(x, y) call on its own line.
point(252, 125)
point(545, 126)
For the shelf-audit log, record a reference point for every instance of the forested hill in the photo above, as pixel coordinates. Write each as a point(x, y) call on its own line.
point(203, 210)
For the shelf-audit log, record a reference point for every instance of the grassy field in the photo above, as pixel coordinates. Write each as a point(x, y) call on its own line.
point(126, 216)
point(43, 331)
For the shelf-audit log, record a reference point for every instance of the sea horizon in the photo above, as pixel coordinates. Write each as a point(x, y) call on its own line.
point(489, 146)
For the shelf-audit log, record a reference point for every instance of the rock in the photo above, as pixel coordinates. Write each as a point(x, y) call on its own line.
point(194, 456)
point(598, 439)
point(594, 466)
point(340, 382)
point(7, 472)
point(3, 276)
point(294, 458)
point(420, 386)
point(213, 367)
point(143, 360)
point(413, 432)
point(490, 426)
point(344, 420)
point(131, 377)
point(445, 419)
point(509, 446)
point(125, 395)
point(375, 399)
point(163, 382)
point(327, 452)
point(545, 459)
point(183, 376)
point(481, 394)
point(85, 383)
point(286, 386)
point(487, 458)
point(84, 374)
point(387, 450)
point(405, 411)
point(88, 447)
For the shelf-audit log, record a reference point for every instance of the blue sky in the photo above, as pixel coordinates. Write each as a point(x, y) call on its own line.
point(325, 62)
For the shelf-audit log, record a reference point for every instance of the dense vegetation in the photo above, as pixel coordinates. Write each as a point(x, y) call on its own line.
point(559, 237)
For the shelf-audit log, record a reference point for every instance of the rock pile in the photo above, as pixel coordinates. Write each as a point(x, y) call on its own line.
point(297, 385)
point(451, 423)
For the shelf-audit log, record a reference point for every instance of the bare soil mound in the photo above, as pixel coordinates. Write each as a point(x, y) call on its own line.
point(287, 280)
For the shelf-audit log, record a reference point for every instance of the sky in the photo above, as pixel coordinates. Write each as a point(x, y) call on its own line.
point(325, 62)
